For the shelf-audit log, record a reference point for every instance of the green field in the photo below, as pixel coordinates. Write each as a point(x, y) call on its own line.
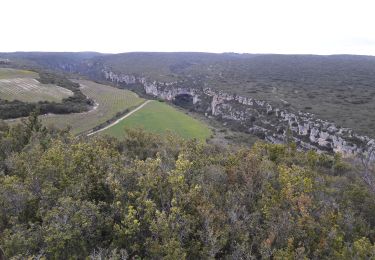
point(22, 85)
point(110, 101)
point(159, 117)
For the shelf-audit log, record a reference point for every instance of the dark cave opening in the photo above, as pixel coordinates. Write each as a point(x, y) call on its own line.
point(184, 100)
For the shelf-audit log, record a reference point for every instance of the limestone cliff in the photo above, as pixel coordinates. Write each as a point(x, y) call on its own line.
point(257, 116)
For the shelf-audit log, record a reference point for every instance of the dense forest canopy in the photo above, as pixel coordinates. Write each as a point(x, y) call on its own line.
point(156, 197)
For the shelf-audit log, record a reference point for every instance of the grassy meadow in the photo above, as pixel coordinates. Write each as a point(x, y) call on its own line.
point(159, 117)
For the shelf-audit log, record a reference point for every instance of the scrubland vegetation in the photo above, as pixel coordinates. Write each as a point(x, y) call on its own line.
point(149, 195)
point(153, 197)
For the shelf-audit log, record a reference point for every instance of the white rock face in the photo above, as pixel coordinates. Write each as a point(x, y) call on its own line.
point(128, 79)
point(151, 88)
point(303, 129)
point(269, 108)
point(195, 99)
point(215, 101)
point(320, 133)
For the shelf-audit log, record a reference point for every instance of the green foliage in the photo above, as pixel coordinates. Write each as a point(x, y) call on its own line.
point(72, 227)
point(163, 197)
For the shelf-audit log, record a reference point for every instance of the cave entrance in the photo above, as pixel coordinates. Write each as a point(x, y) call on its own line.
point(184, 100)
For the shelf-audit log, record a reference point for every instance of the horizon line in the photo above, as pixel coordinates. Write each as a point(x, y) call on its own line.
point(201, 52)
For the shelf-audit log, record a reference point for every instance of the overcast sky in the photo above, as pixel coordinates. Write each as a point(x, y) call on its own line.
point(264, 26)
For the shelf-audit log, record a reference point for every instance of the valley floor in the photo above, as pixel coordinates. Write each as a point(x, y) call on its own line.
point(159, 117)
point(120, 119)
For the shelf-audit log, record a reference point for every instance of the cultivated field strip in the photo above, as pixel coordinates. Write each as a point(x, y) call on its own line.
point(8, 73)
point(31, 90)
point(109, 102)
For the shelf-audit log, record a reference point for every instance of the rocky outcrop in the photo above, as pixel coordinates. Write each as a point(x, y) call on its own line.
point(258, 116)
point(164, 90)
point(4, 61)
point(128, 79)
